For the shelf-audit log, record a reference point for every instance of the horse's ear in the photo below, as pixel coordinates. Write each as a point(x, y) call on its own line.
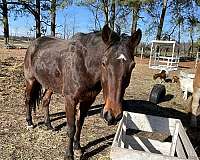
point(135, 39)
point(109, 36)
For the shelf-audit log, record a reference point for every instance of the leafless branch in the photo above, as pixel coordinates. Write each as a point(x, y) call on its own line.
point(45, 23)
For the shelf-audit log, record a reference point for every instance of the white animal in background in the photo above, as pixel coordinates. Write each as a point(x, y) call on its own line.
point(186, 83)
point(187, 75)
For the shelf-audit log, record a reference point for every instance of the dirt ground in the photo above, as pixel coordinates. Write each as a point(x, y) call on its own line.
point(17, 142)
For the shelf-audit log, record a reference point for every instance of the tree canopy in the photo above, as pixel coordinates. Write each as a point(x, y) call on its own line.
point(157, 19)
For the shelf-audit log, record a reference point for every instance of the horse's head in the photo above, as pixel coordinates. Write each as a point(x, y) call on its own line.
point(117, 65)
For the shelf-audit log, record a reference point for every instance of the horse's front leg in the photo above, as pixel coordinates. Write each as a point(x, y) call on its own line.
point(80, 116)
point(70, 106)
point(46, 101)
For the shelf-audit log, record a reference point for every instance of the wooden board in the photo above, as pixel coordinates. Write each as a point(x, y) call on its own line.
point(179, 149)
point(174, 139)
point(129, 154)
point(147, 145)
point(150, 123)
point(187, 144)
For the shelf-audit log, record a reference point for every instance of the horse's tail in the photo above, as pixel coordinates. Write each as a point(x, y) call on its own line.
point(36, 96)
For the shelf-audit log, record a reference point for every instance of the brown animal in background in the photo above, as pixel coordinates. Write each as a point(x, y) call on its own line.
point(162, 75)
point(194, 105)
point(175, 79)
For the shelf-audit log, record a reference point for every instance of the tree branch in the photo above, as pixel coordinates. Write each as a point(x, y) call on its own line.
point(27, 6)
point(173, 30)
point(45, 23)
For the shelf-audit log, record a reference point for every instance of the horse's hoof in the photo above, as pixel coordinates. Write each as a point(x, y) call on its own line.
point(30, 127)
point(78, 152)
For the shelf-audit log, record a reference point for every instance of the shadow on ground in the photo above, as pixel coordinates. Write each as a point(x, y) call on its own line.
point(137, 106)
point(167, 97)
point(97, 150)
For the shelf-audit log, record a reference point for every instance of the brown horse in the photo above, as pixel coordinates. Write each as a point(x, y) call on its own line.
point(78, 69)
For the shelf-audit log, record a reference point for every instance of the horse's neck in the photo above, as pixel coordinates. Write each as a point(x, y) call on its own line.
point(95, 47)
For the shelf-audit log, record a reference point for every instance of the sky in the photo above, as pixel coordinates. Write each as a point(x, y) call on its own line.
point(21, 26)
point(81, 16)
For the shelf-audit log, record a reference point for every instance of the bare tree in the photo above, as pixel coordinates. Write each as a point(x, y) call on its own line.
point(37, 18)
point(106, 10)
point(112, 17)
point(4, 13)
point(192, 22)
point(162, 18)
point(53, 17)
point(135, 16)
point(54, 5)
point(95, 7)
point(33, 8)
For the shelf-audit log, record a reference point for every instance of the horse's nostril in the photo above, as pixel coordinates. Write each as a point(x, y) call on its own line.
point(119, 117)
point(108, 116)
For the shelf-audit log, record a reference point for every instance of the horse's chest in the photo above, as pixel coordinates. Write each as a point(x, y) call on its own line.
point(88, 93)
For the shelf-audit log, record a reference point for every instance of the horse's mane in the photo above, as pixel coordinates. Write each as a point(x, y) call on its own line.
point(122, 36)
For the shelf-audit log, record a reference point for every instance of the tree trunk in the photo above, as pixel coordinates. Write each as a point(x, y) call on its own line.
point(64, 27)
point(179, 33)
point(192, 45)
point(74, 26)
point(162, 17)
point(53, 18)
point(105, 9)
point(135, 14)
point(5, 22)
point(37, 19)
point(97, 24)
point(112, 19)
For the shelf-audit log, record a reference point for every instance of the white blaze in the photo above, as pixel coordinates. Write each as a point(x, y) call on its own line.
point(122, 57)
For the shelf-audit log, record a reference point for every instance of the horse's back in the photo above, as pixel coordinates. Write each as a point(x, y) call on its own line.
point(91, 40)
point(43, 61)
point(53, 61)
point(42, 43)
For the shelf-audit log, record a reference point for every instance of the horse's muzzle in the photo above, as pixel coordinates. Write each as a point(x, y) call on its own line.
point(111, 119)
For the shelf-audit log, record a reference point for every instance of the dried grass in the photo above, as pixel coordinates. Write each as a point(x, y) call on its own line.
point(16, 142)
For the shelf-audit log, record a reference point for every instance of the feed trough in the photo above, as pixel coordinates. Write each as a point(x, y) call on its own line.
point(146, 137)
